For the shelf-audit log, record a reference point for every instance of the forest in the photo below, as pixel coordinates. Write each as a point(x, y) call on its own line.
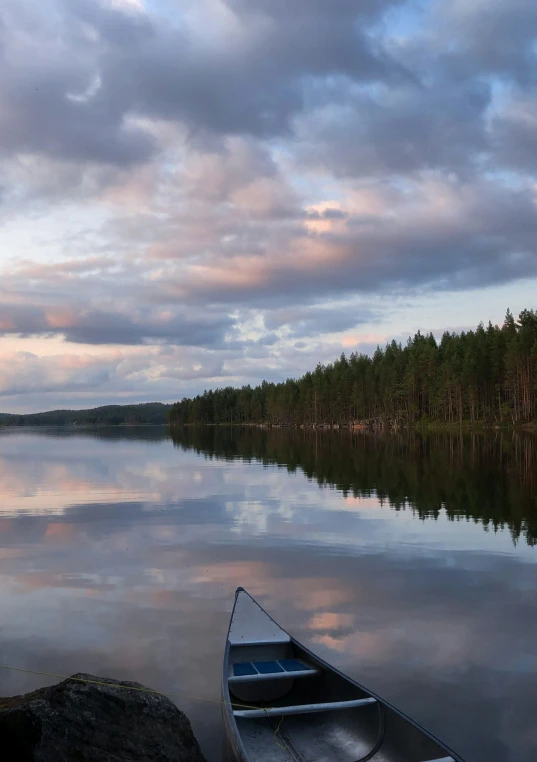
point(482, 376)
point(108, 415)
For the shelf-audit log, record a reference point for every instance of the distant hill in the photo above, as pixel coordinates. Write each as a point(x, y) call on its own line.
point(109, 415)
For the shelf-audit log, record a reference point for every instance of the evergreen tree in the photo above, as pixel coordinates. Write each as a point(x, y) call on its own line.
point(486, 375)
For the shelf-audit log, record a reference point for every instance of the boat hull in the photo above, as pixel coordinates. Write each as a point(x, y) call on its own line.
point(324, 716)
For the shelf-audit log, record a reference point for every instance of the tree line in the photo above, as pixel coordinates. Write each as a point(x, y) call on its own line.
point(472, 476)
point(487, 375)
point(107, 415)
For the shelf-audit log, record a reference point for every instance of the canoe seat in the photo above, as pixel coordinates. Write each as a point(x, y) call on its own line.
point(253, 671)
point(303, 708)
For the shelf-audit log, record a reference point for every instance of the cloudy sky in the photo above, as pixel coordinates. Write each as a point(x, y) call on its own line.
point(196, 193)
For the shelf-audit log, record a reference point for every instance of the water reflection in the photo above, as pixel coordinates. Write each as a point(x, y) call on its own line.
point(490, 479)
point(119, 554)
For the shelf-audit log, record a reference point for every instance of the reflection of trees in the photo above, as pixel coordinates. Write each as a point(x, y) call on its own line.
point(147, 433)
point(488, 479)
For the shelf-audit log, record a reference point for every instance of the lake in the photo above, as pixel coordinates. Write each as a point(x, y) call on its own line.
point(408, 562)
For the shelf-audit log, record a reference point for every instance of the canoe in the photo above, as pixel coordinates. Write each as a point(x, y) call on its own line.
point(282, 703)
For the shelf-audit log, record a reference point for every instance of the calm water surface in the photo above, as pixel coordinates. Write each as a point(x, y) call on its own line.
point(409, 564)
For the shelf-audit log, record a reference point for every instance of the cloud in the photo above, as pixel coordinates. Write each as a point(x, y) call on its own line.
point(110, 328)
point(514, 132)
point(483, 38)
point(90, 326)
point(52, 98)
point(128, 373)
point(23, 373)
point(75, 82)
point(399, 130)
point(314, 321)
point(439, 232)
point(232, 181)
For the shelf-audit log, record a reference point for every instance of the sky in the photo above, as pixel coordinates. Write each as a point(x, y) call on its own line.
point(202, 193)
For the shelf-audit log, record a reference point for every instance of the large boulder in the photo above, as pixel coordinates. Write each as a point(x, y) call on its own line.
point(97, 721)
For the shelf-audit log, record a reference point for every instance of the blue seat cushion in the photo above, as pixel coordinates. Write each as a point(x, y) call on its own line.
point(268, 667)
point(244, 668)
point(293, 665)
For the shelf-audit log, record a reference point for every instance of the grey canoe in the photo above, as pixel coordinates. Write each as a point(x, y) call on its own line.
point(281, 703)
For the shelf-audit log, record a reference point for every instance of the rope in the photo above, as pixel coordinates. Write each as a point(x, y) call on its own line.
point(127, 687)
point(276, 734)
point(380, 736)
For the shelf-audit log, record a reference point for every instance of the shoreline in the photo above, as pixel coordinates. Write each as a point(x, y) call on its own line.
point(419, 427)
point(429, 427)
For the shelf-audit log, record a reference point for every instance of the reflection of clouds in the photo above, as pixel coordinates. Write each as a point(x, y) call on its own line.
point(248, 515)
point(232, 572)
point(6, 525)
point(329, 620)
point(331, 642)
point(142, 589)
point(60, 532)
point(289, 588)
point(449, 644)
point(350, 502)
point(52, 479)
point(49, 479)
point(11, 553)
point(364, 644)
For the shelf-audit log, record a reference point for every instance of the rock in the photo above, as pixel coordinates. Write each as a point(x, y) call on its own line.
point(84, 722)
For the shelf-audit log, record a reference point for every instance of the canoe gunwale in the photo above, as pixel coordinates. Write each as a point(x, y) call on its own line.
point(233, 736)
